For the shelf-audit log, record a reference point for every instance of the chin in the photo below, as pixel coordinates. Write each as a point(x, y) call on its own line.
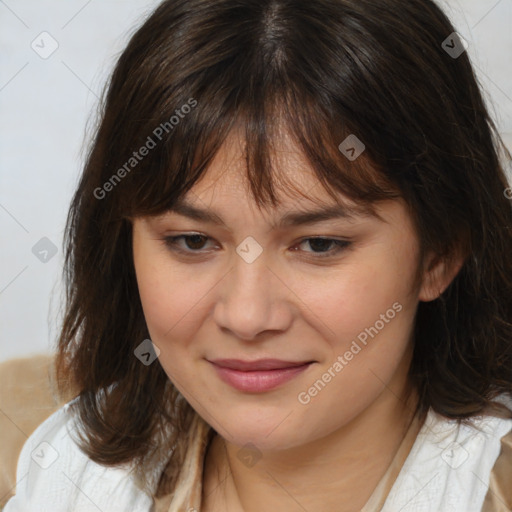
point(264, 435)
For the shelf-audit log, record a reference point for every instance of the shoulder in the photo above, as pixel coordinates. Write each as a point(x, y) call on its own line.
point(451, 464)
point(53, 474)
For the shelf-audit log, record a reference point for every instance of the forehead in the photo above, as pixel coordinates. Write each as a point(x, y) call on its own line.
point(295, 181)
point(301, 197)
point(290, 168)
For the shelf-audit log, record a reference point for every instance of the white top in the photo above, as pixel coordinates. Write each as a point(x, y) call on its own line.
point(447, 470)
point(54, 475)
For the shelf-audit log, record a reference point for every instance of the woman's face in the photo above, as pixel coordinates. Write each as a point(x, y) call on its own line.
point(252, 288)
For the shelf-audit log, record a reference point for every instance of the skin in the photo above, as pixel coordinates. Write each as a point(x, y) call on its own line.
point(330, 453)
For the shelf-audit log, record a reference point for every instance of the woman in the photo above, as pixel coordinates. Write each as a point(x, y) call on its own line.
point(289, 273)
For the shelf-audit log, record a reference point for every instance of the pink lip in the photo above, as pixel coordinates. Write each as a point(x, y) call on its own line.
point(257, 376)
point(259, 364)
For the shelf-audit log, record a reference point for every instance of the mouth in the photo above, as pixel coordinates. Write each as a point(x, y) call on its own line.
point(258, 376)
point(260, 364)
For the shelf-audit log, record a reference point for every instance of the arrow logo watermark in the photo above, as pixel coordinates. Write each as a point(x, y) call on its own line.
point(44, 45)
point(146, 352)
point(249, 455)
point(249, 249)
point(454, 45)
point(454, 455)
point(44, 250)
point(352, 147)
point(44, 455)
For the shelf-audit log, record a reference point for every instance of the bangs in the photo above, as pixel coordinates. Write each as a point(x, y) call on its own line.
point(182, 156)
point(172, 114)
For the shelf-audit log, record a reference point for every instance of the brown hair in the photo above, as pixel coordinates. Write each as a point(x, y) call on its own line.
point(325, 69)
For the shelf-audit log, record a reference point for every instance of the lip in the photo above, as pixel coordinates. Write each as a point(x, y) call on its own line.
point(259, 364)
point(258, 376)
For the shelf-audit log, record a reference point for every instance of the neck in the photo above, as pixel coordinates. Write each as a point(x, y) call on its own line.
point(337, 472)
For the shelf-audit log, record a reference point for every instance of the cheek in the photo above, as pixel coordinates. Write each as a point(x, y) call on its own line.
point(166, 298)
point(171, 302)
point(366, 310)
point(355, 297)
point(370, 320)
point(173, 296)
point(159, 286)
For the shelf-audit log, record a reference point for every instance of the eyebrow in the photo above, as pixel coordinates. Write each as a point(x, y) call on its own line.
point(294, 218)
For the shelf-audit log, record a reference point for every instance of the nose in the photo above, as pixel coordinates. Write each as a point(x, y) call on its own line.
point(253, 299)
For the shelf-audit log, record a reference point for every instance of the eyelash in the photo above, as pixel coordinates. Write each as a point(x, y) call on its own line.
point(171, 243)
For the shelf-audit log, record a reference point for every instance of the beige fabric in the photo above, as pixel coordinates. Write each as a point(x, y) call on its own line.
point(27, 397)
point(499, 495)
point(188, 492)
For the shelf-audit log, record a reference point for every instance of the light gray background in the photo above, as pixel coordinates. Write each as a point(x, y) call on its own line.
point(45, 105)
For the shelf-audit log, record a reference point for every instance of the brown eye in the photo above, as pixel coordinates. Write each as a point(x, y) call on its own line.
point(325, 247)
point(193, 242)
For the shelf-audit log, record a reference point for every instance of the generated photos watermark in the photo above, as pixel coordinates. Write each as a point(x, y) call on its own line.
point(151, 142)
point(305, 397)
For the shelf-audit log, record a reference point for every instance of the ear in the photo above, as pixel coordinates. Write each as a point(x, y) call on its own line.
point(438, 273)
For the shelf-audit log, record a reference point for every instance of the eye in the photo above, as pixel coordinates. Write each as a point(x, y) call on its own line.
point(321, 246)
point(193, 245)
point(194, 242)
